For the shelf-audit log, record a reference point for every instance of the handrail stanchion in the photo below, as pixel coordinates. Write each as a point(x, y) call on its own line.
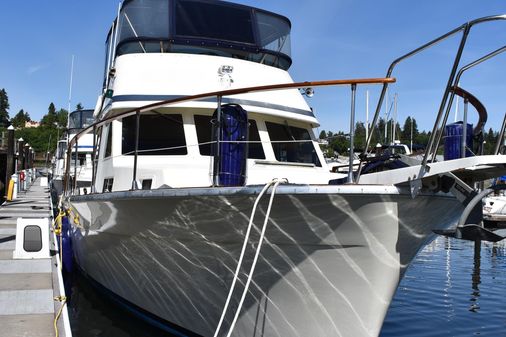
point(352, 133)
point(500, 137)
point(457, 81)
point(93, 155)
point(136, 150)
point(463, 143)
point(216, 166)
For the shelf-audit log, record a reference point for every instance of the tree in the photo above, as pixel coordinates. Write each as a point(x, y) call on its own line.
point(323, 135)
point(20, 119)
point(4, 107)
point(490, 139)
point(61, 118)
point(79, 106)
point(359, 139)
point(50, 118)
point(381, 131)
point(406, 131)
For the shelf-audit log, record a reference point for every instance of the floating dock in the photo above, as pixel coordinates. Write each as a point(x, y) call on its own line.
point(31, 289)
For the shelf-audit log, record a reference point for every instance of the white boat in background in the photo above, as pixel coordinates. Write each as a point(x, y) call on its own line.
point(494, 206)
point(79, 162)
point(198, 121)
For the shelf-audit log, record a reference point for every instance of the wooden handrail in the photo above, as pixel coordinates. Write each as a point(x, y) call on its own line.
point(230, 92)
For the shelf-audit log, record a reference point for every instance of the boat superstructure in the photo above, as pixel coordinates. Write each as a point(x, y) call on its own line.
point(212, 210)
point(80, 160)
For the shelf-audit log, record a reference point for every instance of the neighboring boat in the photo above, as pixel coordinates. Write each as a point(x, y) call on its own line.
point(494, 206)
point(193, 129)
point(80, 162)
point(494, 211)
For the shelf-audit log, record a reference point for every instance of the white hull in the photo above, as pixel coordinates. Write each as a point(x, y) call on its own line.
point(329, 266)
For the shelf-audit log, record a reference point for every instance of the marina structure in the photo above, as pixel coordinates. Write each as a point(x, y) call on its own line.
point(32, 298)
point(198, 122)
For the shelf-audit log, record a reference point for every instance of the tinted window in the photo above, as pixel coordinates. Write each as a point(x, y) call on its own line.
point(214, 21)
point(292, 151)
point(204, 135)
point(158, 135)
point(146, 18)
point(108, 147)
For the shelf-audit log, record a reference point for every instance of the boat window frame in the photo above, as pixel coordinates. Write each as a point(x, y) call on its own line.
point(156, 151)
point(316, 159)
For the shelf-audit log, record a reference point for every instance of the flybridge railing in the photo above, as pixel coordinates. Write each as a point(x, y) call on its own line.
point(219, 95)
point(441, 118)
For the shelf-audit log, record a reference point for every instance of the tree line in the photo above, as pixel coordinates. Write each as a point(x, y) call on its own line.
point(339, 143)
point(42, 138)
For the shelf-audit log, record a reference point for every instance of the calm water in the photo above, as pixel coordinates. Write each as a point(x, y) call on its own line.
point(451, 291)
point(447, 291)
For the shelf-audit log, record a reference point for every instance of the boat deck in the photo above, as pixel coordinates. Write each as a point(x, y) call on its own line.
point(28, 287)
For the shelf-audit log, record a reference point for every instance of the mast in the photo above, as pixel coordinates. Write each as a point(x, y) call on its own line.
point(366, 115)
point(70, 94)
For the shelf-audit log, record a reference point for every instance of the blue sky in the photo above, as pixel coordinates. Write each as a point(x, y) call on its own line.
point(330, 40)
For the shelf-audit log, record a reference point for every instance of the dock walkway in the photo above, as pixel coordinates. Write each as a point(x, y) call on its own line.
point(27, 287)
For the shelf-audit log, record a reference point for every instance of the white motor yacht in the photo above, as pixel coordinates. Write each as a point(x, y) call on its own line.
point(212, 210)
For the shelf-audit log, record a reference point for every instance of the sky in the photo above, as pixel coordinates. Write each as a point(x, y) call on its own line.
point(331, 39)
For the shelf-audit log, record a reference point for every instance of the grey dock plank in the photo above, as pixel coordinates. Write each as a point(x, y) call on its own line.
point(26, 281)
point(27, 326)
point(25, 266)
point(26, 302)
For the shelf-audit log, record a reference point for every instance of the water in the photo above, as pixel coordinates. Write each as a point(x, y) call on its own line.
point(447, 291)
point(450, 291)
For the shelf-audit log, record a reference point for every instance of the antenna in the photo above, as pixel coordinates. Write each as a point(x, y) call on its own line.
point(70, 88)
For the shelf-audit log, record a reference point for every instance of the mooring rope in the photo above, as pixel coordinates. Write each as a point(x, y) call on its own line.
point(274, 182)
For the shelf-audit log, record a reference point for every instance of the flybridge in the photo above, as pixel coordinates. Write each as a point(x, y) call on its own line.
point(200, 27)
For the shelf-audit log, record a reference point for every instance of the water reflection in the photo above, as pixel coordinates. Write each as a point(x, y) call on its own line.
point(475, 277)
point(452, 288)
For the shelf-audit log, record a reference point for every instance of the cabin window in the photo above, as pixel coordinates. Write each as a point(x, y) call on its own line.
point(159, 135)
point(204, 135)
point(292, 144)
point(108, 147)
point(107, 185)
point(146, 184)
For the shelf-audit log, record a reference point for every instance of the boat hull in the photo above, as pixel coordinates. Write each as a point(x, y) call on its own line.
point(329, 265)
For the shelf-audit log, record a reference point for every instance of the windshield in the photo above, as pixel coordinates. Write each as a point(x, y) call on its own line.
point(80, 119)
point(204, 27)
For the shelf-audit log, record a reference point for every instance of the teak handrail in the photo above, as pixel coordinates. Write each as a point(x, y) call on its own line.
point(230, 92)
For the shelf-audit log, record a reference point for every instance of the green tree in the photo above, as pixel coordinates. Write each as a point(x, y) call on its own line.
point(359, 136)
point(79, 106)
point(406, 131)
point(323, 135)
point(380, 132)
point(50, 118)
point(490, 139)
point(61, 118)
point(20, 119)
point(4, 108)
